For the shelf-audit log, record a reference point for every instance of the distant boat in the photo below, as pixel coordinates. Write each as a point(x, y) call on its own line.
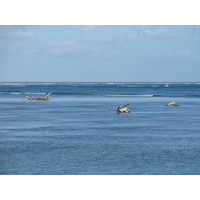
point(41, 98)
point(166, 85)
point(123, 110)
point(172, 104)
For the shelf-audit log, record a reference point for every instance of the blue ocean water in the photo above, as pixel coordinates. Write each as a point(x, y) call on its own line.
point(78, 131)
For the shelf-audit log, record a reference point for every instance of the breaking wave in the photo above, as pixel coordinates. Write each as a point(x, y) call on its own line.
point(107, 89)
point(96, 94)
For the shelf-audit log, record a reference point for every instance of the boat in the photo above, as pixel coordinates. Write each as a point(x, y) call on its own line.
point(172, 104)
point(40, 99)
point(120, 109)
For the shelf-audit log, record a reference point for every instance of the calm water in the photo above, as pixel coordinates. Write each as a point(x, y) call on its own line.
point(79, 132)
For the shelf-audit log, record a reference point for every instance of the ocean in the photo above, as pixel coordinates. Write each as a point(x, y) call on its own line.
point(79, 132)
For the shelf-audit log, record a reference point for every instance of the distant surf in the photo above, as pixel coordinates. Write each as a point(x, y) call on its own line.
point(118, 89)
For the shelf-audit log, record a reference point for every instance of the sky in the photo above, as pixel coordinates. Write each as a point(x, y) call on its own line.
point(99, 53)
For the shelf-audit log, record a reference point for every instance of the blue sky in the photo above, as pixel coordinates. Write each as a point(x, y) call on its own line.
point(78, 53)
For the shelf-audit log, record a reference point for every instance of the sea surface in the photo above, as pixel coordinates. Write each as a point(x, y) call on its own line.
point(78, 131)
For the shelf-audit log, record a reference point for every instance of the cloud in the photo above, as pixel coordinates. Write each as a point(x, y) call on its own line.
point(81, 48)
point(125, 41)
point(109, 34)
point(65, 48)
point(14, 32)
point(122, 34)
point(95, 41)
point(197, 29)
point(20, 39)
point(162, 31)
point(183, 53)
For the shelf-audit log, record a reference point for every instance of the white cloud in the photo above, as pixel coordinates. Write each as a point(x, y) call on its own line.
point(197, 29)
point(183, 53)
point(109, 34)
point(20, 39)
point(65, 48)
point(82, 48)
point(162, 31)
point(19, 31)
point(114, 41)
point(121, 34)
point(96, 41)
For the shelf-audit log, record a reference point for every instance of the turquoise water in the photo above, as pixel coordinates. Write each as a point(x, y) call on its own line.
point(79, 132)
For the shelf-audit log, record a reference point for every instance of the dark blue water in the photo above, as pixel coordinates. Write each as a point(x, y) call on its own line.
point(79, 132)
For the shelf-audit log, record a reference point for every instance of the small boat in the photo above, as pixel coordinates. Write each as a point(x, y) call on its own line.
point(40, 99)
point(120, 109)
point(172, 104)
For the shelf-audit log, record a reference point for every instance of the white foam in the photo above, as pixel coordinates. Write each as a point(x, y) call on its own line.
point(129, 95)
